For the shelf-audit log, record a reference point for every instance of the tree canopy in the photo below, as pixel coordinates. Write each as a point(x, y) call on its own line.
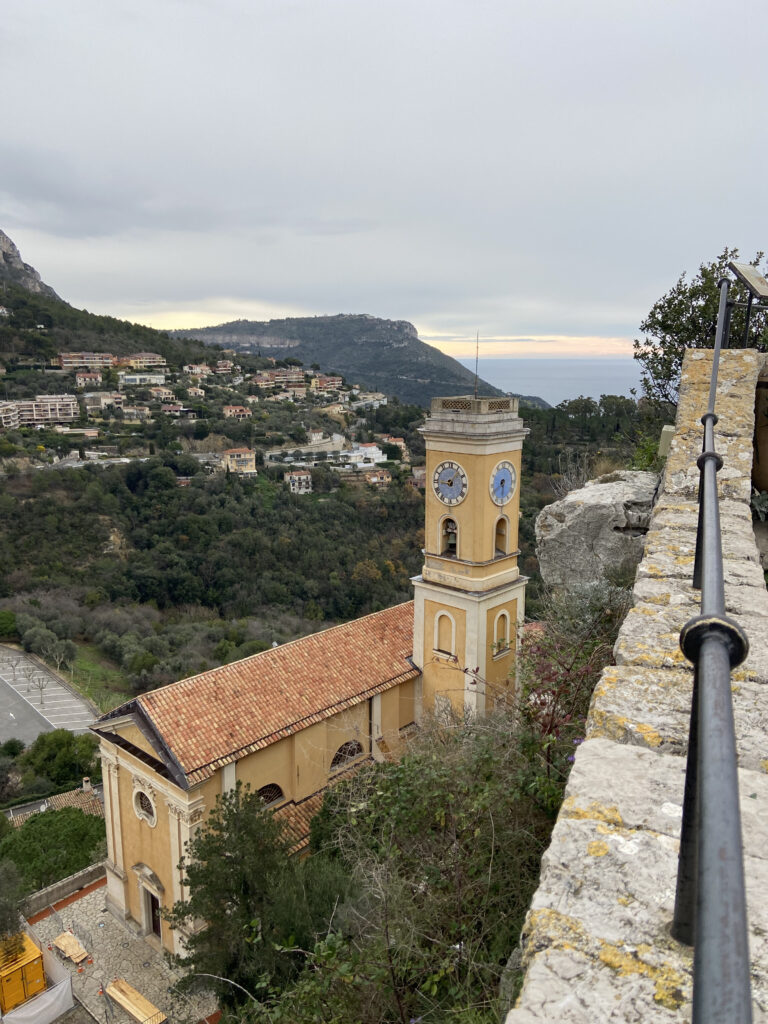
point(53, 845)
point(256, 902)
point(686, 317)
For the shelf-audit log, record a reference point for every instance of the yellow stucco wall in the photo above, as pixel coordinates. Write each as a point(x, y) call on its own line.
point(272, 764)
point(406, 698)
point(349, 725)
point(142, 842)
point(499, 665)
point(134, 735)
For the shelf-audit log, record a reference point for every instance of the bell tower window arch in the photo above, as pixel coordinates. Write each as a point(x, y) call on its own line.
point(449, 537)
point(501, 633)
point(501, 537)
point(445, 633)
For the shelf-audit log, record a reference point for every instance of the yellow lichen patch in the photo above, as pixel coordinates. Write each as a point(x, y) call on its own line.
point(593, 811)
point(626, 901)
point(651, 737)
point(605, 725)
point(764, 765)
point(560, 930)
point(668, 983)
point(658, 599)
point(597, 848)
point(744, 675)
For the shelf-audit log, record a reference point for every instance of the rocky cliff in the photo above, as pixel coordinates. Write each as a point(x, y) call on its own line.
point(14, 270)
point(597, 530)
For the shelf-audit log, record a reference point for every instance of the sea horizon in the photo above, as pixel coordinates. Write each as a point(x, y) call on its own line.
point(558, 380)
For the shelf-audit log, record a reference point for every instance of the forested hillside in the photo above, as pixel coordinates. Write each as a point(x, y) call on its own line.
point(169, 580)
point(41, 325)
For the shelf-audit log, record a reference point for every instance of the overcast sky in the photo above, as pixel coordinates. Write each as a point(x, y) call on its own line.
point(539, 171)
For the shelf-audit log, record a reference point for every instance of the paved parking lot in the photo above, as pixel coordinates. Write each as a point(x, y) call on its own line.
point(33, 699)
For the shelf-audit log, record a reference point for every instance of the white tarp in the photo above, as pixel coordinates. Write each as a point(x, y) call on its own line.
point(47, 1006)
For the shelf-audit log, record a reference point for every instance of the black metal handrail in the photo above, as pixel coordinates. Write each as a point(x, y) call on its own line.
point(710, 903)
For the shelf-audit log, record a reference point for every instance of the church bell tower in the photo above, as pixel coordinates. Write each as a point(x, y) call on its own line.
point(470, 596)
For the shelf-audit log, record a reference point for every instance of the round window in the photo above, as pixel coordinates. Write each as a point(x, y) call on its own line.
point(144, 807)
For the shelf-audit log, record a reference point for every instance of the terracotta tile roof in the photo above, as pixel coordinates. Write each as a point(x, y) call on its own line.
point(88, 803)
point(213, 718)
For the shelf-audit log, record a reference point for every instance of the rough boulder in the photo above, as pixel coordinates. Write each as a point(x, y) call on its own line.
point(596, 529)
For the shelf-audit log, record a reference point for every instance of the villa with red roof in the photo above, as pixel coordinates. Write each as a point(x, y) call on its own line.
point(291, 721)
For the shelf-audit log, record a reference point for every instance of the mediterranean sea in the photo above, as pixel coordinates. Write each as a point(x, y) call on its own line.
point(558, 380)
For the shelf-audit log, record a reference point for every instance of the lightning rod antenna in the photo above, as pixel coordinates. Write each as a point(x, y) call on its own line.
point(477, 358)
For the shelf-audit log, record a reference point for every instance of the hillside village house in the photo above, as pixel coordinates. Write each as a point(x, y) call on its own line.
point(87, 378)
point(95, 401)
point(236, 412)
point(378, 477)
point(291, 720)
point(239, 460)
point(299, 481)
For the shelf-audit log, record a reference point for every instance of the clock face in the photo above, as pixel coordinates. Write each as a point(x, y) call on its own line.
point(450, 483)
point(503, 483)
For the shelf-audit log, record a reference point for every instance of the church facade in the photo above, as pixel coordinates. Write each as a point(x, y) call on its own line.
point(291, 721)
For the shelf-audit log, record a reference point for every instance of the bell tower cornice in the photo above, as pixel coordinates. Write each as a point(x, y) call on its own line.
point(464, 422)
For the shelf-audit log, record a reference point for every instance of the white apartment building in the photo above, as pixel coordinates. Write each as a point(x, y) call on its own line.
point(47, 409)
point(139, 379)
point(9, 415)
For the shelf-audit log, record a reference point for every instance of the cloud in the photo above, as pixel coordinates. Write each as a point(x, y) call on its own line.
point(541, 173)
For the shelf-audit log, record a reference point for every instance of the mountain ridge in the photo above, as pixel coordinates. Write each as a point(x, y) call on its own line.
point(385, 355)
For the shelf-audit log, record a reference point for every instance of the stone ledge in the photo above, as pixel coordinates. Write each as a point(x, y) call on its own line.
point(646, 708)
point(596, 943)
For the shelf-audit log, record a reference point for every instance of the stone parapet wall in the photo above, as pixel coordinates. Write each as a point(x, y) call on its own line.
point(68, 886)
point(596, 944)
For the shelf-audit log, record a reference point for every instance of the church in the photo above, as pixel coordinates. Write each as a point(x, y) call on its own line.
point(290, 721)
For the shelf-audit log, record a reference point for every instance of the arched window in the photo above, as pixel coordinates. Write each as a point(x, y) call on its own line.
point(445, 633)
point(347, 752)
point(501, 539)
point(501, 633)
point(449, 537)
point(271, 794)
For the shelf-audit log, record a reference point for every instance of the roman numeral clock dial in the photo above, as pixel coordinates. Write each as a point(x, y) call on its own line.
point(503, 482)
point(449, 482)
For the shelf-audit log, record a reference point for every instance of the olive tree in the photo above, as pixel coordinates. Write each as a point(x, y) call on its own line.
point(686, 317)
